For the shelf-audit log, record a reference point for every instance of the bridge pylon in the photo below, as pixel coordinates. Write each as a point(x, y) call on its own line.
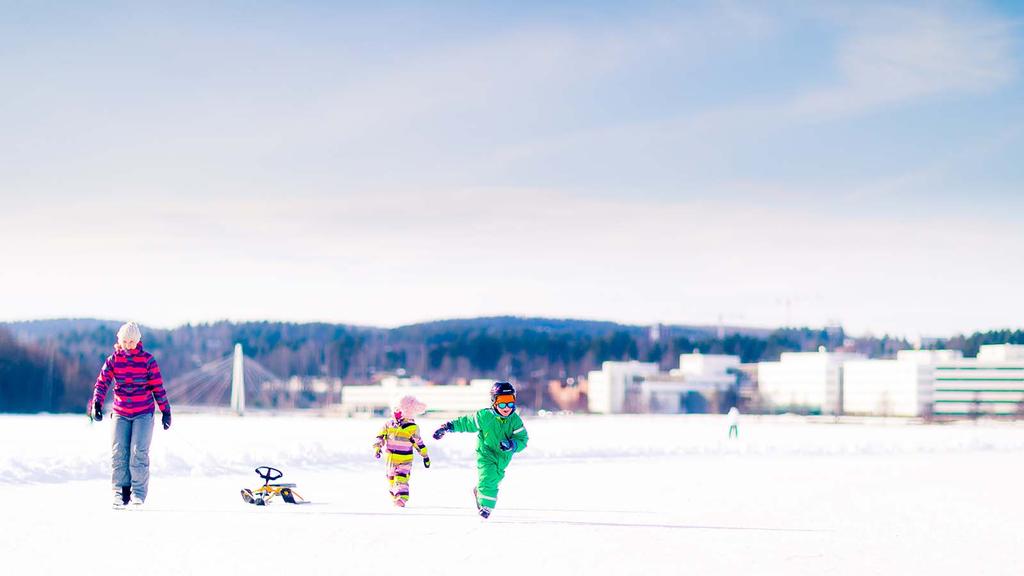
point(238, 382)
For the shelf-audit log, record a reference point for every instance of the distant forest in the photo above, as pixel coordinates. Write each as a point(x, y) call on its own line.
point(50, 365)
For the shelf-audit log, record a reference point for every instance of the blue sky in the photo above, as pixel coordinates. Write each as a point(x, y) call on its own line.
point(759, 163)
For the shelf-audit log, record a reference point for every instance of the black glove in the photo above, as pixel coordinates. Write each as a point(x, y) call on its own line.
point(446, 427)
point(97, 411)
point(426, 462)
point(166, 419)
point(508, 445)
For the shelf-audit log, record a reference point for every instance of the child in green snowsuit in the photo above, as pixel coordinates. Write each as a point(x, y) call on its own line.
point(500, 434)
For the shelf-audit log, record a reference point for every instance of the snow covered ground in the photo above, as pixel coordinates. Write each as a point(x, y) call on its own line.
point(594, 495)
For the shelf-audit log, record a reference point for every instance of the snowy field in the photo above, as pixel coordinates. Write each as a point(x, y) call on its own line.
point(590, 495)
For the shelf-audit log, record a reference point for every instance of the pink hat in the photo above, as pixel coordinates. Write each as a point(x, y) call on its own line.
point(410, 407)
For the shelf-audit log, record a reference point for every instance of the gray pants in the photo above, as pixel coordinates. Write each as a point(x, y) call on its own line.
point(131, 453)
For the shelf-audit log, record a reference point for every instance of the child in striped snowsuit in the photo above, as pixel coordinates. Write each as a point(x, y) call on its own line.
point(398, 438)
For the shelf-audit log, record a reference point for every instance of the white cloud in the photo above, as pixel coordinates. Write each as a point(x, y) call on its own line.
point(895, 55)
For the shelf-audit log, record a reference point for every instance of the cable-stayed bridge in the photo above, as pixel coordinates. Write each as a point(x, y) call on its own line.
point(234, 382)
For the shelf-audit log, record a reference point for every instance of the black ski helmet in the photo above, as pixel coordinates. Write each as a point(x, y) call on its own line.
point(501, 389)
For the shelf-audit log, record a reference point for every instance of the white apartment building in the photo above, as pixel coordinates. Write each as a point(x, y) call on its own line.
point(992, 383)
point(1001, 353)
point(900, 387)
point(615, 388)
point(938, 383)
point(638, 387)
point(687, 388)
point(811, 381)
point(714, 369)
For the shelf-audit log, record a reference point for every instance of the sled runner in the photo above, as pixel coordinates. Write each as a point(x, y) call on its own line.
point(264, 494)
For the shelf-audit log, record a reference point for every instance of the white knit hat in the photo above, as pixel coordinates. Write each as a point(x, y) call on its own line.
point(129, 331)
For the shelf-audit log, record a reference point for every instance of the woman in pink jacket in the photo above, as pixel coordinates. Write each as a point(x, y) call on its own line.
point(137, 387)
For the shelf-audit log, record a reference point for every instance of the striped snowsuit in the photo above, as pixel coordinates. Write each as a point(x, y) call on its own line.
point(398, 438)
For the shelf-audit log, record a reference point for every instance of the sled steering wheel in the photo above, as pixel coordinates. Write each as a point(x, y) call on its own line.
point(269, 474)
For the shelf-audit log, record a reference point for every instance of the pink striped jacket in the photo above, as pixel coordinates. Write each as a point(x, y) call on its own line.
point(137, 382)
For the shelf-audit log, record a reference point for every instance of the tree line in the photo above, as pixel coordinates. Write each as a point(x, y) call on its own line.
point(51, 365)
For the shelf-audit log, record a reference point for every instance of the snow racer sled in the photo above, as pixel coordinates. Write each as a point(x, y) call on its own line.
point(264, 494)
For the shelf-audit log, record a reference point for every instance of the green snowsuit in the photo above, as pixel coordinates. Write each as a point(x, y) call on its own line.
point(491, 460)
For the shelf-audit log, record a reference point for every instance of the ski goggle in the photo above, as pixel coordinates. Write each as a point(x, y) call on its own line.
point(503, 405)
